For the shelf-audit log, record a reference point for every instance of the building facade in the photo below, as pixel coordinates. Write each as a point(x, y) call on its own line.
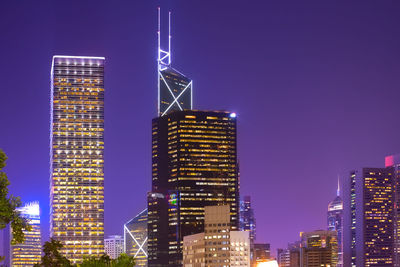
point(194, 165)
point(369, 220)
point(261, 253)
point(289, 257)
point(77, 155)
point(393, 161)
point(319, 248)
point(29, 253)
point(135, 238)
point(335, 222)
point(114, 246)
point(218, 245)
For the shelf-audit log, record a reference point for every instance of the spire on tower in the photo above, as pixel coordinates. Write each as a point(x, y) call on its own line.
point(164, 56)
point(338, 186)
point(174, 88)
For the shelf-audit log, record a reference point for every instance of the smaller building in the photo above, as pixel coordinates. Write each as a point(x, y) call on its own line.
point(217, 246)
point(319, 248)
point(261, 253)
point(114, 246)
point(194, 250)
point(290, 257)
point(28, 253)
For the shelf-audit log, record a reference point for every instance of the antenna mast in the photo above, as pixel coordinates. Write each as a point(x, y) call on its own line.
point(164, 56)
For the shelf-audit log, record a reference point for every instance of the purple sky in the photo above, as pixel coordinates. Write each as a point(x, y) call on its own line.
point(316, 86)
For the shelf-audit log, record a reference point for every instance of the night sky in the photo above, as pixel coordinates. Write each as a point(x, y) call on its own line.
point(315, 84)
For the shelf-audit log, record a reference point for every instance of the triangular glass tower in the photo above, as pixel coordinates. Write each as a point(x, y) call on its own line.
point(135, 238)
point(174, 88)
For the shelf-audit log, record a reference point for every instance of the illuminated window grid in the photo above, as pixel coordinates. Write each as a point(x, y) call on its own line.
point(200, 148)
point(378, 210)
point(29, 252)
point(77, 155)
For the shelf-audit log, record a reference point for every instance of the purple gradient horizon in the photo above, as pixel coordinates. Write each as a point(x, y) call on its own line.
point(315, 86)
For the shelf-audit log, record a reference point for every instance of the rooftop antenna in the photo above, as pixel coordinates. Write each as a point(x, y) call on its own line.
point(338, 186)
point(164, 57)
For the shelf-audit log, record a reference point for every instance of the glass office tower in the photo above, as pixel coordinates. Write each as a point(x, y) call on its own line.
point(175, 91)
point(77, 155)
point(135, 238)
point(393, 161)
point(369, 218)
point(29, 253)
point(194, 165)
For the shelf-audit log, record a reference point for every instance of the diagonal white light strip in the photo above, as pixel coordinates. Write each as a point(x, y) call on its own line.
point(170, 92)
point(176, 99)
point(140, 246)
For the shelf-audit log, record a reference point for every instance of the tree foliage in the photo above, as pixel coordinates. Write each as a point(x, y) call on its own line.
point(53, 258)
point(52, 255)
point(104, 261)
point(8, 206)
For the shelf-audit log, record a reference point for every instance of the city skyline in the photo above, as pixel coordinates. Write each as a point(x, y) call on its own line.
point(332, 117)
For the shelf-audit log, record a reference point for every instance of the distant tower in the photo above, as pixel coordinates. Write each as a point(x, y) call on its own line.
point(28, 253)
point(247, 222)
point(174, 88)
point(335, 222)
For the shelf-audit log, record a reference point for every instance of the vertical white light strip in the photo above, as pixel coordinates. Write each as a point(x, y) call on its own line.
point(51, 142)
point(169, 38)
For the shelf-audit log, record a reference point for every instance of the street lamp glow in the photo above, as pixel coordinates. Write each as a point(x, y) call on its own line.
point(268, 264)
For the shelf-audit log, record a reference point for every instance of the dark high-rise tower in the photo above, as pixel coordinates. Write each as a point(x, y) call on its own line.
point(174, 88)
point(194, 165)
point(368, 218)
point(393, 161)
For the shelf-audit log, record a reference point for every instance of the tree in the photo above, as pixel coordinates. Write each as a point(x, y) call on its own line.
point(52, 256)
point(124, 261)
point(104, 261)
point(8, 208)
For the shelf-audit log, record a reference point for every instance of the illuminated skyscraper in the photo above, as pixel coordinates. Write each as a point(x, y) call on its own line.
point(174, 88)
point(368, 219)
point(247, 220)
point(335, 222)
point(394, 162)
point(30, 252)
point(194, 165)
point(135, 238)
point(77, 155)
